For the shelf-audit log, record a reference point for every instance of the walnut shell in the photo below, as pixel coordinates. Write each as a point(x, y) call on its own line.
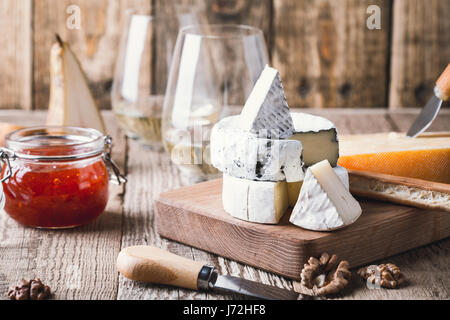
point(39, 291)
point(324, 275)
point(29, 290)
point(20, 292)
point(386, 275)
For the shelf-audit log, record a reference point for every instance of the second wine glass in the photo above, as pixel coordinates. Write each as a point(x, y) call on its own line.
point(213, 70)
point(141, 72)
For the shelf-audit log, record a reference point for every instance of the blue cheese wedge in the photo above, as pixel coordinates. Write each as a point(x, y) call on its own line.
point(318, 136)
point(266, 112)
point(324, 203)
point(254, 201)
point(244, 155)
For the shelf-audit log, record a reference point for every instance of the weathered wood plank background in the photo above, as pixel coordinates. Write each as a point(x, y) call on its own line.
point(327, 56)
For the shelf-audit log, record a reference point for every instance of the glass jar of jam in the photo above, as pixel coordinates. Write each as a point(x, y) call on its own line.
point(2, 197)
point(56, 177)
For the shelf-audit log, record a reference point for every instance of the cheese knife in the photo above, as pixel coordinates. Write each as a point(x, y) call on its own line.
point(155, 265)
point(431, 109)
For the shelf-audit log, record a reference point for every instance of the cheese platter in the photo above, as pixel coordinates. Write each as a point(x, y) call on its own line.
point(292, 189)
point(194, 215)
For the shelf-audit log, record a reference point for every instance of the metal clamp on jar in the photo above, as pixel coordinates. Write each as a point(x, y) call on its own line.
point(57, 177)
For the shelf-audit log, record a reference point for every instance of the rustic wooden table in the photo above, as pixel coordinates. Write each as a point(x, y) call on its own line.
point(80, 263)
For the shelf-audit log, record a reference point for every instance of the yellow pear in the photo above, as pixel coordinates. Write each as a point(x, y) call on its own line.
point(71, 101)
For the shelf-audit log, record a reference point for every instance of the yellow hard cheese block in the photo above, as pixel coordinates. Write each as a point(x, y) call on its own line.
point(426, 157)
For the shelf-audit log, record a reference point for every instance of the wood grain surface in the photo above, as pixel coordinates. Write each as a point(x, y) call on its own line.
point(323, 48)
point(194, 215)
point(16, 56)
point(80, 263)
point(327, 56)
point(420, 50)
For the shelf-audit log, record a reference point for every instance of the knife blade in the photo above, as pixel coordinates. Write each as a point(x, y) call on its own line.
point(431, 109)
point(155, 265)
point(426, 117)
point(230, 284)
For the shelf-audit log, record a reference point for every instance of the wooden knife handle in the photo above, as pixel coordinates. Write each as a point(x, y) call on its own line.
point(443, 84)
point(155, 265)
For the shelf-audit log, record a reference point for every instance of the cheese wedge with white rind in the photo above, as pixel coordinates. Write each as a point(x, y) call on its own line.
point(318, 136)
point(324, 203)
point(242, 154)
point(255, 201)
point(295, 187)
point(266, 111)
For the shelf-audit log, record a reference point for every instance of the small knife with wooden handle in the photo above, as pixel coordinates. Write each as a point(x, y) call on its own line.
point(155, 265)
point(431, 109)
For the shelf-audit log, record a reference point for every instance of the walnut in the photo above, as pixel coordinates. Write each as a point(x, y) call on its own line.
point(39, 291)
point(21, 291)
point(29, 290)
point(325, 275)
point(386, 275)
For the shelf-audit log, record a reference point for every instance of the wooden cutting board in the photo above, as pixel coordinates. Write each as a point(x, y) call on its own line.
point(194, 215)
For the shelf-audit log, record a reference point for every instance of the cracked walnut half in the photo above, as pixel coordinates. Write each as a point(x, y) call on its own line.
point(325, 275)
point(386, 275)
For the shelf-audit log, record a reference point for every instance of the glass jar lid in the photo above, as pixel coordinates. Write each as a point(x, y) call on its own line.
point(55, 143)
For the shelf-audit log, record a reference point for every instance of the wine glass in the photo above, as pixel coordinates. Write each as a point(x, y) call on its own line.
point(141, 70)
point(213, 70)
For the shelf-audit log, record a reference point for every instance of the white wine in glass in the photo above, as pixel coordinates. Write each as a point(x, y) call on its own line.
point(213, 70)
point(141, 71)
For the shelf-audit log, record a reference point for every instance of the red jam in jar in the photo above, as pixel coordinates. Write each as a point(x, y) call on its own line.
point(58, 176)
